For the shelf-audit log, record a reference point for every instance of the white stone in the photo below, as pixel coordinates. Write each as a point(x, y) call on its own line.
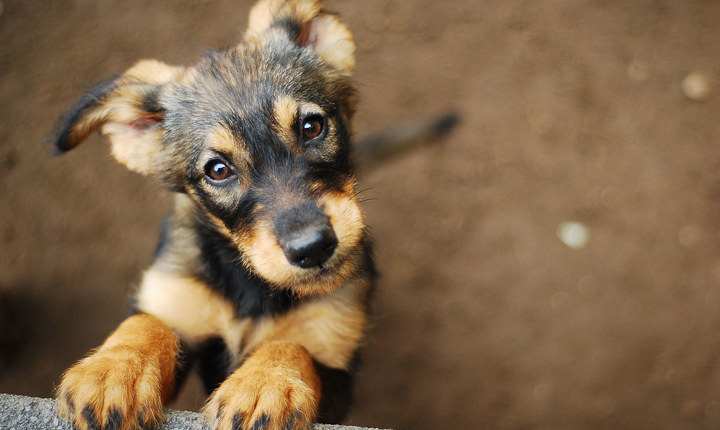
point(696, 86)
point(573, 234)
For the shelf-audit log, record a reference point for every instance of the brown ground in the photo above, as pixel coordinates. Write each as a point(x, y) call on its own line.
point(485, 319)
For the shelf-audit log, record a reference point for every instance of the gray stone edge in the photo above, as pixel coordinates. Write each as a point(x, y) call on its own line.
point(33, 413)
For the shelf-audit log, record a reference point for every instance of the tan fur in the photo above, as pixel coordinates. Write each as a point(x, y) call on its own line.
point(131, 146)
point(223, 141)
point(184, 236)
point(332, 41)
point(153, 72)
point(191, 199)
point(135, 149)
point(308, 108)
point(132, 373)
point(265, 12)
point(89, 123)
point(329, 38)
point(285, 112)
point(131, 376)
point(278, 381)
point(346, 219)
point(267, 258)
point(329, 148)
point(192, 309)
point(330, 327)
point(288, 112)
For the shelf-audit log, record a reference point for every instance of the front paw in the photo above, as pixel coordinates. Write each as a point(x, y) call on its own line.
point(263, 398)
point(116, 388)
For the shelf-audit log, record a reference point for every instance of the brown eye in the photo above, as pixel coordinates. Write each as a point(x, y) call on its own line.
point(218, 170)
point(312, 127)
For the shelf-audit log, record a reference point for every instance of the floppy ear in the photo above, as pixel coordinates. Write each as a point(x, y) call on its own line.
point(309, 26)
point(127, 110)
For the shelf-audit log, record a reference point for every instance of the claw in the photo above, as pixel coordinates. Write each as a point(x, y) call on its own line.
point(237, 422)
point(114, 420)
point(90, 418)
point(291, 421)
point(261, 423)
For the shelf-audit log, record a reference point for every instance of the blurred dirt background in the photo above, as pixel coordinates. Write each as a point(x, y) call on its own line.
point(571, 111)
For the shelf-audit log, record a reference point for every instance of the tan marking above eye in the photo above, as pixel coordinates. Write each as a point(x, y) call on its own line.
point(223, 141)
point(298, 121)
point(228, 155)
point(285, 112)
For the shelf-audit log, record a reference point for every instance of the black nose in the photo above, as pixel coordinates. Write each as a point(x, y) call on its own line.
point(310, 246)
point(306, 236)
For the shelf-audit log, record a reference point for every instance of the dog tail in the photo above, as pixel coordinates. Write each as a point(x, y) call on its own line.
point(404, 137)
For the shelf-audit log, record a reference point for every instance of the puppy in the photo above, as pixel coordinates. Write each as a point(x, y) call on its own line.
point(263, 271)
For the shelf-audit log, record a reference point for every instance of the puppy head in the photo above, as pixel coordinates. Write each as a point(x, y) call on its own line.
point(256, 135)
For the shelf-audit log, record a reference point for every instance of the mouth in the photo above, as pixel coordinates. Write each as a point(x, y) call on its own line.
point(326, 277)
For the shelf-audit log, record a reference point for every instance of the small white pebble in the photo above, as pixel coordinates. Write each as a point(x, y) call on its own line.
point(696, 86)
point(573, 234)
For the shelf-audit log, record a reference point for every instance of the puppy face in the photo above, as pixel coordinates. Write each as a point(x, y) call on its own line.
point(257, 135)
point(266, 155)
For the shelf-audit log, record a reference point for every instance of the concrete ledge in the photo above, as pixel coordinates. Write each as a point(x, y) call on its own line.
point(32, 413)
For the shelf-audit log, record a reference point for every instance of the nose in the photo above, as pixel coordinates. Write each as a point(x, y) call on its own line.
point(310, 247)
point(306, 236)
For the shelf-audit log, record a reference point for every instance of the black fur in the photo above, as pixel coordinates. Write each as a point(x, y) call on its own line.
point(184, 364)
point(212, 358)
point(151, 102)
point(231, 93)
point(279, 188)
point(337, 393)
point(224, 271)
point(164, 238)
point(90, 418)
point(61, 134)
point(302, 214)
point(215, 363)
